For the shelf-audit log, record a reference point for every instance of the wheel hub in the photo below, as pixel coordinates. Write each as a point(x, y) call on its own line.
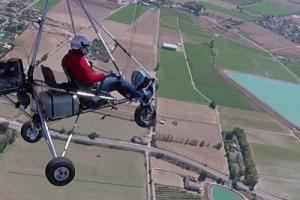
point(61, 174)
point(32, 133)
point(147, 114)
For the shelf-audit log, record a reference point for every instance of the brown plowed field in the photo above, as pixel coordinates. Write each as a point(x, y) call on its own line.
point(185, 111)
point(264, 37)
point(60, 12)
point(194, 122)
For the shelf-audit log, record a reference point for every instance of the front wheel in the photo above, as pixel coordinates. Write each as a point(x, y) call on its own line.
point(60, 171)
point(145, 116)
point(30, 134)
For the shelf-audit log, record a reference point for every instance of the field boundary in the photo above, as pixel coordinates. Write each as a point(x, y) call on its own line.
point(188, 66)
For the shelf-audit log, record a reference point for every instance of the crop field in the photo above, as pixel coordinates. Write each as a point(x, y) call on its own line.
point(229, 12)
point(231, 118)
point(233, 56)
point(185, 111)
point(187, 134)
point(198, 52)
point(209, 82)
point(168, 19)
point(277, 159)
point(110, 127)
point(268, 9)
point(191, 31)
point(221, 3)
point(40, 4)
point(169, 193)
point(127, 14)
point(174, 80)
point(106, 173)
point(294, 67)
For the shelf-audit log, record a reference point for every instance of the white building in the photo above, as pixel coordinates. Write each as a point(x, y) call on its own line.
point(169, 46)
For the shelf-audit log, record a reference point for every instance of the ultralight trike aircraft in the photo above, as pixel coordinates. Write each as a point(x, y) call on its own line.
point(48, 101)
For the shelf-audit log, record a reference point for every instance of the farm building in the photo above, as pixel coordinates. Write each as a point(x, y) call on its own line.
point(169, 46)
point(191, 184)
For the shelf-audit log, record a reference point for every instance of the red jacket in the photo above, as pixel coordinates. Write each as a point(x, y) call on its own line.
point(77, 64)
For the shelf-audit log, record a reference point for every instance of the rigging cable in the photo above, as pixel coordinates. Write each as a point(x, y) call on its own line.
point(132, 38)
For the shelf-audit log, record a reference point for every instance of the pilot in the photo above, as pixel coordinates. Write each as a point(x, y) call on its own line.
point(76, 64)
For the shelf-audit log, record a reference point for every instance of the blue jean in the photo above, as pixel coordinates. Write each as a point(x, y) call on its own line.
point(124, 87)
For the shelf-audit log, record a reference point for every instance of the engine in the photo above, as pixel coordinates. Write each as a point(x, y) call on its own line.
point(11, 76)
point(59, 105)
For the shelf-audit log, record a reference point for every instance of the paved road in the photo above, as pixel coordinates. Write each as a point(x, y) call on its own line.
point(148, 150)
point(152, 150)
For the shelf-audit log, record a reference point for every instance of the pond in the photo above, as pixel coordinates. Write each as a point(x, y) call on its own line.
point(222, 193)
point(282, 97)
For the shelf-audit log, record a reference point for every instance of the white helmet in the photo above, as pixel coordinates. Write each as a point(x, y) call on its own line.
point(81, 43)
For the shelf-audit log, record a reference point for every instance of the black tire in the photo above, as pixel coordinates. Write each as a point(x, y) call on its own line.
point(60, 171)
point(29, 134)
point(145, 116)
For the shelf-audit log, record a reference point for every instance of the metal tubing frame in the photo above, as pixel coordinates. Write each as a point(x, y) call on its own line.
point(11, 102)
point(44, 127)
point(121, 46)
point(37, 41)
point(100, 37)
point(42, 121)
point(71, 17)
point(70, 136)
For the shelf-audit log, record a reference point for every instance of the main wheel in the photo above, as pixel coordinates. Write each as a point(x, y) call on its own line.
point(30, 134)
point(60, 171)
point(145, 116)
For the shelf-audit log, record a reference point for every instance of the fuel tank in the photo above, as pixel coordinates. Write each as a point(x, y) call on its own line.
point(59, 105)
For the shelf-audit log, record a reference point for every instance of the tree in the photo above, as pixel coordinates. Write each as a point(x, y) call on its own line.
point(203, 176)
point(159, 156)
point(62, 131)
point(212, 105)
point(93, 135)
point(153, 141)
point(219, 146)
point(3, 127)
point(202, 143)
point(234, 184)
point(219, 180)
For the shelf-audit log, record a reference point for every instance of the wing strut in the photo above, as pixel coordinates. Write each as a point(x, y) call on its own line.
point(100, 37)
point(116, 41)
point(71, 17)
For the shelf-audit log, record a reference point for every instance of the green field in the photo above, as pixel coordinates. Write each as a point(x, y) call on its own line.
point(100, 172)
point(269, 9)
point(208, 82)
point(40, 4)
point(191, 31)
point(231, 118)
point(294, 67)
point(198, 52)
point(234, 56)
point(127, 14)
point(168, 18)
point(277, 159)
point(231, 13)
point(174, 80)
point(230, 122)
point(18, 42)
